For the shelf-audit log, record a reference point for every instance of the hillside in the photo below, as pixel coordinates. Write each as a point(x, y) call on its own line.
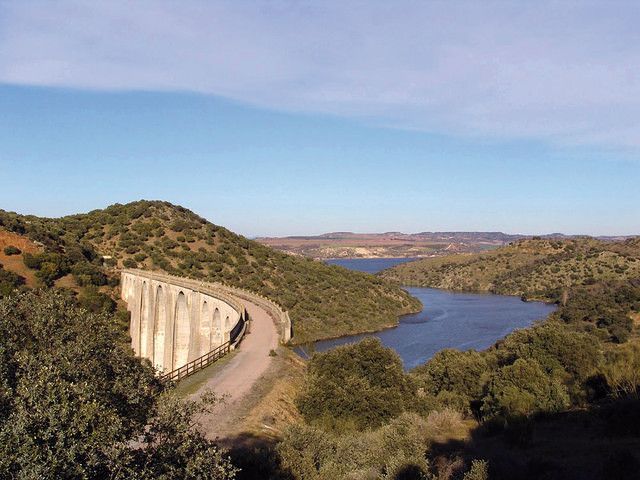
point(534, 268)
point(86, 250)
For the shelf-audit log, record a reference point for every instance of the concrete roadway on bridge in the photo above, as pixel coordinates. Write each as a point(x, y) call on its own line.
point(236, 378)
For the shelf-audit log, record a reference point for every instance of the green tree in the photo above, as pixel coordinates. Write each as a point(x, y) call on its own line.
point(522, 389)
point(360, 386)
point(456, 378)
point(75, 402)
point(562, 352)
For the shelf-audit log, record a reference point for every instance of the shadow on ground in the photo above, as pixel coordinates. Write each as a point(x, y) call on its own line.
point(602, 443)
point(256, 456)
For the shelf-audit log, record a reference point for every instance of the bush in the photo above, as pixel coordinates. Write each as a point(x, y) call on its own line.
point(130, 263)
point(479, 471)
point(359, 386)
point(571, 356)
point(11, 250)
point(622, 370)
point(96, 301)
point(522, 389)
point(394, 451)
point(140, 257)
point(49, 265)
point(456, 377)
point(444, 424)
point(88, 274)
point(9, 282)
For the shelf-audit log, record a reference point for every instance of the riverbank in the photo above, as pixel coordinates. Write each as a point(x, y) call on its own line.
point(448, 319)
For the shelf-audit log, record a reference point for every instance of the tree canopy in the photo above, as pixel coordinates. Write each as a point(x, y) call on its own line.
point(76, 404)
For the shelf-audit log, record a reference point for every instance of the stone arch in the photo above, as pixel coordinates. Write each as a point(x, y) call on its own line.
point(205, 328)
point(217, 327)
point(159, 329)
point(182, 332)
point(145, 300)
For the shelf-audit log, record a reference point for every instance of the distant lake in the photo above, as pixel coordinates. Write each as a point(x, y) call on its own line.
point(448, 320)
point(369, 265)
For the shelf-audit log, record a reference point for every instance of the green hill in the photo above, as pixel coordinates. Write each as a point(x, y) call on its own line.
point(324, 301)
point(536, 268)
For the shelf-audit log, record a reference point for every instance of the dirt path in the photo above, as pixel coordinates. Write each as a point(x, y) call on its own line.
point(235, 379)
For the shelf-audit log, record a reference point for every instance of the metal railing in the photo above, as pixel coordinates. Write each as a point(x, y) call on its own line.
point(197, 364)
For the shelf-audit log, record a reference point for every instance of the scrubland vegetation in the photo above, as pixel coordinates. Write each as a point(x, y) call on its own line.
point(534, 269)
point(502, 413)
point(366, 418)
point(324, 301)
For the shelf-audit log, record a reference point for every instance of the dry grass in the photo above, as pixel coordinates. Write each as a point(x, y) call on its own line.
point(446, 425)
point(67, 282)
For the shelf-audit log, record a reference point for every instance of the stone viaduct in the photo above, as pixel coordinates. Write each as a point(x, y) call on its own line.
point(175, 321)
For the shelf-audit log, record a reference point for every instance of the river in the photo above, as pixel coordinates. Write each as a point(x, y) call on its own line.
point(448, 319)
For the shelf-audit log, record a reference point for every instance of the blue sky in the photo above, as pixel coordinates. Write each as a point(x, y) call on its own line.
point(300, 118)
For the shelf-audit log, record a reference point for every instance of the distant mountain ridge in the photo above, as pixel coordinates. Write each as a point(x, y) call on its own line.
point(470, 235)
point(398, 244)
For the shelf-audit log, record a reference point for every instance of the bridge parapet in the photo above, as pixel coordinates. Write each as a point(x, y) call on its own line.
point(280, 316)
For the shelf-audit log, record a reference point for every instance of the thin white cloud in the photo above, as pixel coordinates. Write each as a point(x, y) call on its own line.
point(566, 72)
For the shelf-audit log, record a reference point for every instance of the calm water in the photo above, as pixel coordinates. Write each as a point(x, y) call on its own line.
point(369, 265)
point(449, 320)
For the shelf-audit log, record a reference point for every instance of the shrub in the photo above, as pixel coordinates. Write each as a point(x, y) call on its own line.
point(49, 265)
point(140, 257)
point(571, 356)
point(359, 386)
point(393, 451)
point(622, 369)
point(130, 263)
point(522, 389)
point(9, 282)
point(479, 471)
point(11, 250)
point(88, 274)
point(32, 261)
point(95, 301)
point(458, 377)
point(444, 424)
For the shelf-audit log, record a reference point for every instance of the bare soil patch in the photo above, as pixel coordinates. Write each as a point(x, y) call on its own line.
point(15, 263)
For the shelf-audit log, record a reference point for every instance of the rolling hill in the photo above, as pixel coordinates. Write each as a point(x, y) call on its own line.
point(86, 250)
point(537, 268)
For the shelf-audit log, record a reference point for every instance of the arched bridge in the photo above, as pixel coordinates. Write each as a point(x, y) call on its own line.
point(182, 325)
